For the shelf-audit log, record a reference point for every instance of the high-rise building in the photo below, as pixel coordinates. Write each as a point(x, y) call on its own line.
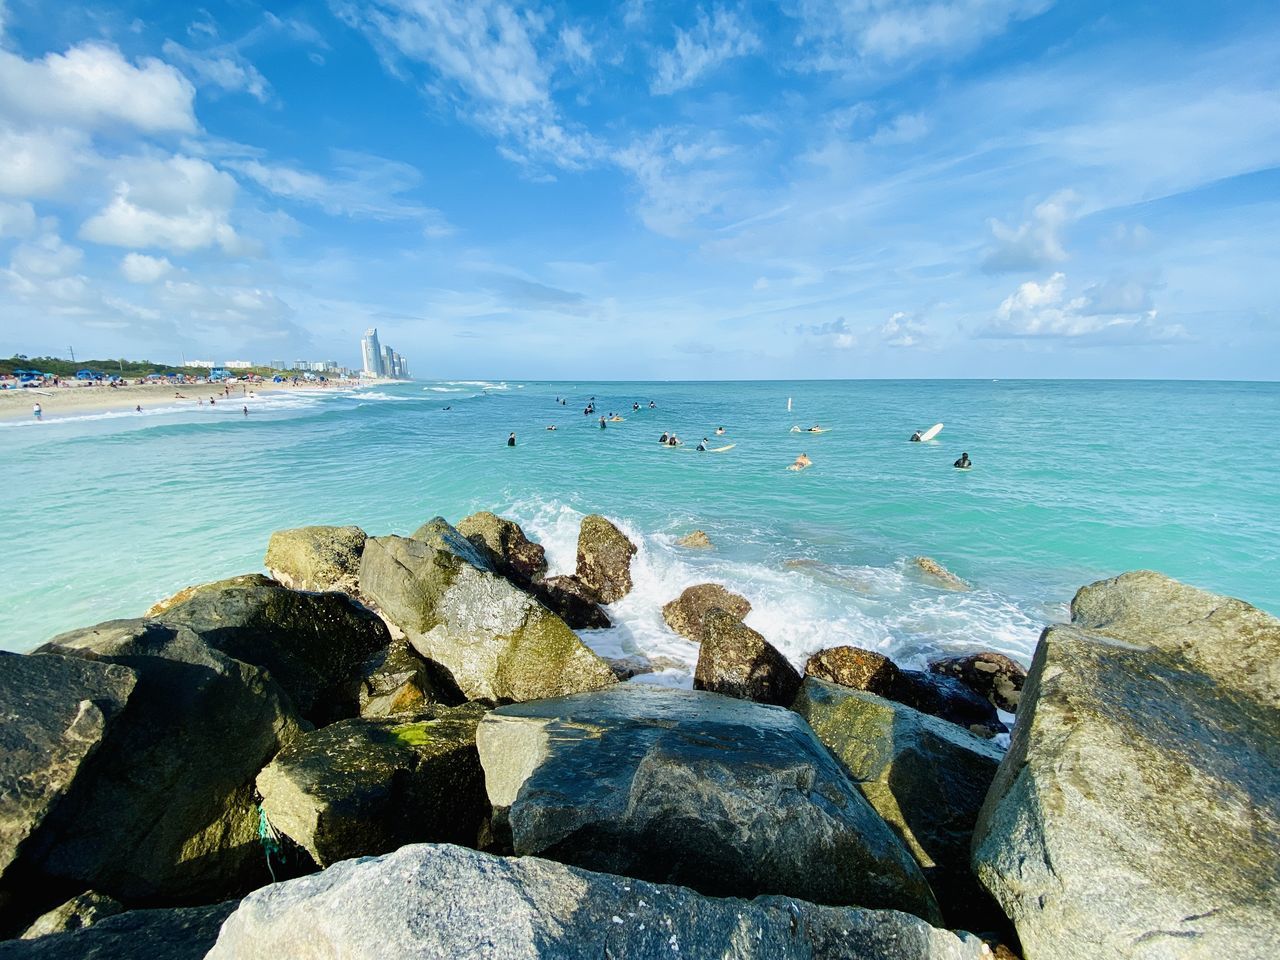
point(371, 353)
point(388, 363)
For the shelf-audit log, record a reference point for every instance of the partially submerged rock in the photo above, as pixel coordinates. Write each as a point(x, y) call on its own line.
point(992, 675)
point(1137, 812)
point(184, 933)
point(316, 558)
point(927, 778)
point(572, 602)
point(503, 541)
point(165, 813)
point(940, 575)
point(736, 661)
point(365, 787)
point(449, 902)
point(698, 540)
point(76, 914)
point(55, 713)
point(497, 642)
point(604, 559)
point(313, 643)
point(186, 593)
point(686, 613)
point(728, 797)
point(934, 694)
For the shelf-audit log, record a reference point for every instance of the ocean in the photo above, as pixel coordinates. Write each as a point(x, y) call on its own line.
point(1072, 481)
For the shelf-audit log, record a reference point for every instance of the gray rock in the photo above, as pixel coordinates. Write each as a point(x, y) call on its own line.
point(496, 642)
point(1137, 812)
point(398, 681)
point(686, 614)
point(449, 902)
point(364, 787)
point(927, 778)
point(572, 602)
point(939, 574)
point(76, 914)
point(186, 933)
point(604, 559)
point(738, 662)
point(166, 812)
point(316, 558)
point(991, 675)
point(503, 541)
point(313, 643)
point(54, 715)
point(728, 797)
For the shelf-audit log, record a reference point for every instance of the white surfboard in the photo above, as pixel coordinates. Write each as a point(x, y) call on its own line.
point(788, 404)
point(931, 432)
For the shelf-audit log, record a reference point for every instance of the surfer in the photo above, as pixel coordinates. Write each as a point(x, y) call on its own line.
point(635, 406)
point(719, 431)
point(602, 423)
point(652, 405)
point(702, 447)
point(964, 463)
point(802, 462)
point(511, 440)
point(450, 407)
point(816, 428)
point(673, 441)
point(551, 427)
point(661, 439)
point(915, 437)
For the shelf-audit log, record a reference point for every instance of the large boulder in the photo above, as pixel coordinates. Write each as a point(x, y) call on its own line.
point(991, 675)
point(449, 902)
point(397, 681)
point(497, 642)
point(927, 778)
point(313, 643)
point(504, 543)
point(935, 694)
point(604, 559)
point(738, 662)
point(185, 933)
point(728, 797)
point(165, 812)
point(1137, 812)
point(364, 787)
point(316, 558)
point(572, 602)
point(686, 613)
point(76, 914)
point(55, 713)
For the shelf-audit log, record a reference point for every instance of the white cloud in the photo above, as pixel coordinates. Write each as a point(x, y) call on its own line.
point(178, 204)
point(46, 256)
point(93, 85)
point(712, 41)
point(1034, 244)
point(902, 330)
point(684, 176)
point(1044, 311)
point(904, 128)
point(577, 49)
point(835, 333)
point(838, 33)
point(17, 219)
point(223, 67)
point(37, 162)
point(139, 268)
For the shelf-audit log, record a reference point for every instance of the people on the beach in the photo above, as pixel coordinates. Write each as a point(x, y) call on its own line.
point(802, 462)
point(511, 440)
point(915, 437)
point(964, 463)
point(37, 411)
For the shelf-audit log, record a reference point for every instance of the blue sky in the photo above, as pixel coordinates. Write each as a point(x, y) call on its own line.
point(873, 188)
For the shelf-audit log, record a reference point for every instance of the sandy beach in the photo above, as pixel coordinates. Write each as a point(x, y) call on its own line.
point(77, 399)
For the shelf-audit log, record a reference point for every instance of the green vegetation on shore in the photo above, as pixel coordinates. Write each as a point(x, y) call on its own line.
point(125, 369)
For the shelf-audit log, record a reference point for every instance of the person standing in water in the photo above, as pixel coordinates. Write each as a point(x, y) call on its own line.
point(602, 423)
point(511, 440)
point(246, 410)
point(37, 411)
point(964, 463)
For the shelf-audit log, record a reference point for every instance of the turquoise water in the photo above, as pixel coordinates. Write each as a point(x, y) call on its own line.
point(1072, 481)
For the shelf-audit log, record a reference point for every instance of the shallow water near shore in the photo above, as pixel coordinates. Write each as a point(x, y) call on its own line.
point(1072, 481)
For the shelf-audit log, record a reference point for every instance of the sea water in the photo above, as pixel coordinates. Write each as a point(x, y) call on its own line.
point(1071, 482)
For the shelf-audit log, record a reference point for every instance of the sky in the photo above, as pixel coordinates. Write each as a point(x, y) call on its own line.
point(644, 190)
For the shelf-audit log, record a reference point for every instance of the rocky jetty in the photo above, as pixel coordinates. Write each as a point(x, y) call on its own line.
point(727, 797)
point(1137, 812)
point(420, 699)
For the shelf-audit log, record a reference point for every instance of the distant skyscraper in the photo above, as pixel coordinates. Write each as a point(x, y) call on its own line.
point(371, 353)
point(388, 363)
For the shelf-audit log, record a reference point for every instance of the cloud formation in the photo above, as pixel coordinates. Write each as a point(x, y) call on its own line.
point(714, 39)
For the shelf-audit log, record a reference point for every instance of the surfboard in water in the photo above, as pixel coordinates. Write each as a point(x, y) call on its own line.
point(728, 446)
point(931, 432)
point(788, 404)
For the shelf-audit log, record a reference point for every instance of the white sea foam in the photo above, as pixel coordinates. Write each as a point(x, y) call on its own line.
point(800, 608)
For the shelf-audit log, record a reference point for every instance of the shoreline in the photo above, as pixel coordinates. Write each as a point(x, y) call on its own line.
point(68, 401)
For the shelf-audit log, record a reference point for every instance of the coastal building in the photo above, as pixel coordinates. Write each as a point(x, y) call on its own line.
point(388, 362)
point(238, 365)
point(278, 365)
point(206, 364)
point(371, 353)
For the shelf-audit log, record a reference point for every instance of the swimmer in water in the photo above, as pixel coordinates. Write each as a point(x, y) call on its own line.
point(551, 427)
point(602, 423)
point(663, 438)
point(802, 462)
point(719, 431)
point(915, 437)
point(511, 440)
point(673, 441)
point(964, 463)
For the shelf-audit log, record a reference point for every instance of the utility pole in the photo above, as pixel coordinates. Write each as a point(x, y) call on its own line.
point(73, 355)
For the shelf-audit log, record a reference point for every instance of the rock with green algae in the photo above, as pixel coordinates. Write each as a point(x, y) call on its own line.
point(504, 542)
point(165, 813)
point(398, 680)
point(939, 574)
point(927, 778)
point(313, 643)
point(604, 559)
point(993, 675)
point(181, 933)
point(495, 640)
point(365, 787)
point(686, 613)
point(76, 914)
point(729, 797)
point(316, 558)
point(1137, 812)
point(736, 661)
